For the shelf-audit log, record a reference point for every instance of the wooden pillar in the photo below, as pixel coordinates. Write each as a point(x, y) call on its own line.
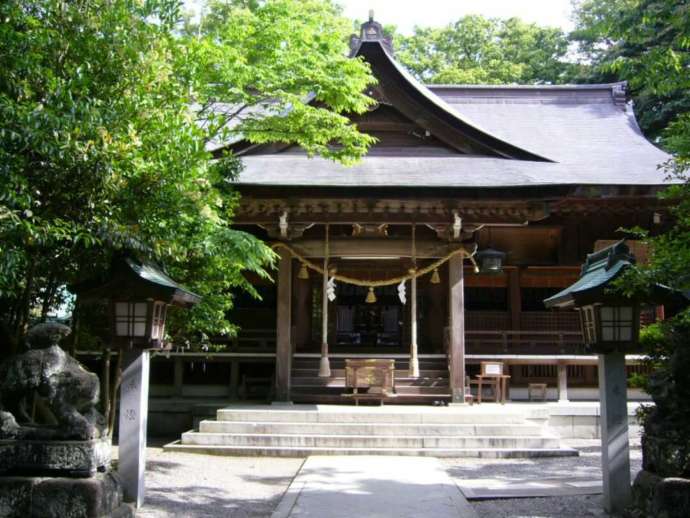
point(414, 356)
point(284, 327)
point(414, 350)
point(301, 311)
point(178, 375)
point(515, 299)
point(324, 364)
point(234, 379)
point(456, 349)
point(562, 383)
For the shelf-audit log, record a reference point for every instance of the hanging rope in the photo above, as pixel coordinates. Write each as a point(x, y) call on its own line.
point(383, 282)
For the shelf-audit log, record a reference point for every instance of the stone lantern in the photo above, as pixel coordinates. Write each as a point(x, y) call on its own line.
point(138, 295)
point(610, 327)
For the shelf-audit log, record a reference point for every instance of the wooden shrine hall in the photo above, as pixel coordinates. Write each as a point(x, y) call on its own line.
point(437, 249)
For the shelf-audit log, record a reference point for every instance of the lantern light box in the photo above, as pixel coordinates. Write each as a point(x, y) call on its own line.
point(139, 294)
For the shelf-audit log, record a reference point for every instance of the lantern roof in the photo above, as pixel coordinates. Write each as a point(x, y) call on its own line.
point(598, 273)
point(131, 278)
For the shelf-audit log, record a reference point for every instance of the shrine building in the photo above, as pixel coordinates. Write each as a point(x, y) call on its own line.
point(438, 248)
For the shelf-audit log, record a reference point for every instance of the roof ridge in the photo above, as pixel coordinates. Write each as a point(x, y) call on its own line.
point(570, 86)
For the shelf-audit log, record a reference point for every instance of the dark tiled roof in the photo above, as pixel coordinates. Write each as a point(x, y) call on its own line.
point(592, 137)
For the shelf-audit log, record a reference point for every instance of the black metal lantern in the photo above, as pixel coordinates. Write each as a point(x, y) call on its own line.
point(609, 321)
point(490, 260)
point(139, 294)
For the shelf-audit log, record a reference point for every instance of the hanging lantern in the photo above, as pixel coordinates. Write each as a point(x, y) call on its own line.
point(435, 278)
point(371, 296)
point(303, 272)
point(490, 260)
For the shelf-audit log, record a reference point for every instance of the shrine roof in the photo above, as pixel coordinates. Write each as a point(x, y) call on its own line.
point(492, 136)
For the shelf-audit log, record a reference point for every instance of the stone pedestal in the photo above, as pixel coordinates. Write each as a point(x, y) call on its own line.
point(658, 496)
point(54, 458)
point(99, 496)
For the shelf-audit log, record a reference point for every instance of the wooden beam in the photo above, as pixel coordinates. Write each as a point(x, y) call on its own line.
point(283, 327)
point(456, 346)
point(354, 247)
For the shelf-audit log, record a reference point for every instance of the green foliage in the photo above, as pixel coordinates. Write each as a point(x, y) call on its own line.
point(477, 50)
point(646, 42)
point(281, 70)
point(107, 111)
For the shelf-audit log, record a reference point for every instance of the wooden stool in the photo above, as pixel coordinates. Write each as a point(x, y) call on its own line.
point(536, 387)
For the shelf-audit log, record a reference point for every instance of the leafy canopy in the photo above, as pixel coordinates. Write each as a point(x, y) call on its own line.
point(108, 109)
point(645, 42)
point(476, 50)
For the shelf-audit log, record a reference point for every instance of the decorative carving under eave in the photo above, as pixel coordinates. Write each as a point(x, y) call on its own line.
point(292, 231)
point(370, 230)
point(266, 212)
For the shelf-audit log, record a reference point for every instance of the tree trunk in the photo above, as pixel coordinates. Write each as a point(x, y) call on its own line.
point(113, 395)
point(74, 339)
point(105, 383)
point(24, 307)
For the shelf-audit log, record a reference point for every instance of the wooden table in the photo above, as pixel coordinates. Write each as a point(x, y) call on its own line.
point(499, 382)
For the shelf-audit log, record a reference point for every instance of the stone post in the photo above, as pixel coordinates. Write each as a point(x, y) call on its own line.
point(456, 349)
point(615, 454)
point(562, 383)
point(284, 327)
point(134, 395)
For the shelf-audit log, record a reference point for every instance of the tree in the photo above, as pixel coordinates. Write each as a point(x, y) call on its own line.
point(477, 50)
point(645, 42)
point(108, 108)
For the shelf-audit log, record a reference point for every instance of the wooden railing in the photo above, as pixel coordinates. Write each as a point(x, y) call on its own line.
point(524, 342)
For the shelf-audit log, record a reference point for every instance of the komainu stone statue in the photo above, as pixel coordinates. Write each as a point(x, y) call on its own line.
point(46, 371)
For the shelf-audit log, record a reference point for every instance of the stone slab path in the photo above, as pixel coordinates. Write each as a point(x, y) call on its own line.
point(375, 487)
point(481, 489)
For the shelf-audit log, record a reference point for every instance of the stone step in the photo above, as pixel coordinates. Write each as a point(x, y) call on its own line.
point(367, 441)
point(480, 414)
point(313, 397)
point(339, 389)
point(209, 426)
point(487, 453)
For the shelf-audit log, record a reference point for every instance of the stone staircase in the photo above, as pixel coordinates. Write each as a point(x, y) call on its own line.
point(487, 431)
point(432, 384)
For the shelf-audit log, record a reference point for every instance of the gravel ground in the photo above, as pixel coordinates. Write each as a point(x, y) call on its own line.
point(207, 486)
point(588, 464)
point(189, 485)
